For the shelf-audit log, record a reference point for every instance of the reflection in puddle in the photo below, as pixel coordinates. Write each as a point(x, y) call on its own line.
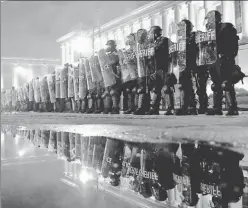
point(186, 174)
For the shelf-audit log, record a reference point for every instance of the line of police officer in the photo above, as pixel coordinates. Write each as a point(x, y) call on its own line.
point(143, 73)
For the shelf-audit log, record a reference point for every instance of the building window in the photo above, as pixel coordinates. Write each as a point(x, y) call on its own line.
point(238, 16)
point(173, 31)
point(200, 19)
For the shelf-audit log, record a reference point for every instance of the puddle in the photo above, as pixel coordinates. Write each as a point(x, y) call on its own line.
point(178, 173)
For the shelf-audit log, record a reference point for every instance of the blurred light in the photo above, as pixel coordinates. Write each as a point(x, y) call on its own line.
point(2, 138)
point(17, 138)
point(85, 176)
point(174, 38)
point(82, 44)
point(21, 153)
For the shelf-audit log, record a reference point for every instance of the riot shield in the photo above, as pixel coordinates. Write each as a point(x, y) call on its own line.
point(26, 91)
point(207, 47)
point(64, 82)
point(98, 152)
point(72, 154)
point(142, 48)
point(90, 84)
point(37, 96)
point(78, 146)
point(125, 72)
point(45, 138)
point(14, 97)
point(57, 78)
point(31, 91)
point(76, 81)
point(82, 80)
point(51, 87)
point(109, 77)
point(44, 89)
point(52, 145)
point(95, 69)
point(70, 82)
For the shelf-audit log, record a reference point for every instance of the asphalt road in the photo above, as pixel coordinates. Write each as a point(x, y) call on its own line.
point(33, 177)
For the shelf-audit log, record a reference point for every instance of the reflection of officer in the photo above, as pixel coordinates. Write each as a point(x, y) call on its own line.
point(222, 76)
point(187, 96)
point(115, 89)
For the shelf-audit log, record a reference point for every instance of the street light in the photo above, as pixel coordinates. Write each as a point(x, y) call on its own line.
point(82, 45)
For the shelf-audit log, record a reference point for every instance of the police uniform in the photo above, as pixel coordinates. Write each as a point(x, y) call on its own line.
point(223, 71)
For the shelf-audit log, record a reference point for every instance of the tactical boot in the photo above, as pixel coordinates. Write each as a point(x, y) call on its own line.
point(73, 105)
point(62, 105)
point(184, 104)
point(232, 104)
point(90, 104)
point(83, 105)
point(125, 104)
point(154, 110)
point(57, 105)
point(169, 99)
point(141, 102)
point(130, 104)
point(107, 104)
point(98, 104)
point(136, 100)
point(203, 101)
point(115, 109)
point(217, 107)
point(77, 106)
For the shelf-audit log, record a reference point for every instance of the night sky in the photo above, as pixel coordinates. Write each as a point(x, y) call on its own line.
point(30, 28)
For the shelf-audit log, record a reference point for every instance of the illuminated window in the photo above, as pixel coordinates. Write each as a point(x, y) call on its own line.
point(238, 16)
point(173, 31)
point(183, 12)
point(200, 19)
point(136, 27)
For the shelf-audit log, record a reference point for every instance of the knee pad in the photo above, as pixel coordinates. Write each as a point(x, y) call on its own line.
point(112, 92)
point(215, 87)
point(141, 90)
point(89, 96)
point(128, 90)
point(180, 86)
point(166, 90)
point(105, 94)
point(227, 86)
point(134, 90)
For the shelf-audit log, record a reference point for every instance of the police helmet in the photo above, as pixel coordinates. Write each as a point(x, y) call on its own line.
point(130, 39)
point(111, 43)
point(141, 35)
point(189, 25)
point(156, 30)
point(214, 16)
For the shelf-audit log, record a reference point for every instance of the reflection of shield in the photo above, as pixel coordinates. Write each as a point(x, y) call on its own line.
point(107, 69)
point(112, 161)
point(90, 83)
point(76, 82)
point(51, 87)
point(207, 47)
point(82, 80)
point(57, 77)
point(78, 146)
point(64, 82)
point(95, 69)
point(13, 94)
point(70, 82)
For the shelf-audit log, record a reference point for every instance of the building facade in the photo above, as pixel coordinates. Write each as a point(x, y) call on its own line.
point(15, 71)
point(166, 14)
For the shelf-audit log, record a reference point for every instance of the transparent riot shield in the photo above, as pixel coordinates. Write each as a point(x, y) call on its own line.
point(109, 77)
point(95, 69)
point(31, 91)
point(76, 81)
point(90, 84)
point(51, 87)
point(70, 82)
point(57, 80)
point(64, 82)
point(82, 80)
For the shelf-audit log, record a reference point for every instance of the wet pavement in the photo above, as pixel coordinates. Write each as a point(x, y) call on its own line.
point(42, 167)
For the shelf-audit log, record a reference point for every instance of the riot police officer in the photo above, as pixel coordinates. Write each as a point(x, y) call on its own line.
point(223, 72)
point(114, 89)
point(158, 65)
point(186, 59)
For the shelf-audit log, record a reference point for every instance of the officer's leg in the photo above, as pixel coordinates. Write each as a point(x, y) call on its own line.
point(192, 102)
point(230, 95)
point(169, 100)
point(202, 77)
point(143, 104)
point(115, 100)
point(125, 93)
point(83, 105)
point(217, 100)
point(107, 101)
point(155, 101)
point(135, 98)
point(128, 95)
point(91, 99)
